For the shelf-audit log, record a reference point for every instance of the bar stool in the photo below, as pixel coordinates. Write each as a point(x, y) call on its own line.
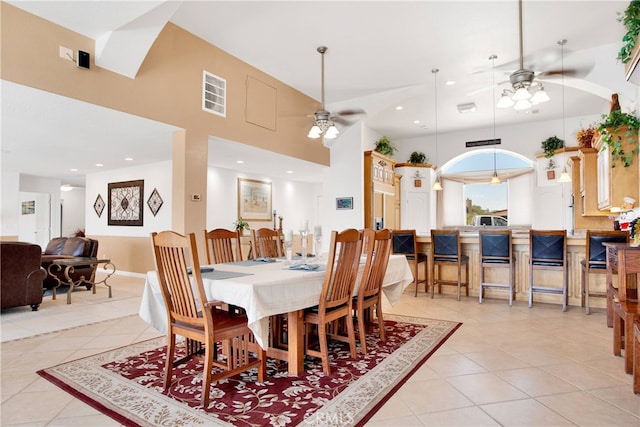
point(636, 357)
point(625, 314)
point(446, 250)
point(548, 251)
point(596, 261)
point(496, 251)
point(404, 243)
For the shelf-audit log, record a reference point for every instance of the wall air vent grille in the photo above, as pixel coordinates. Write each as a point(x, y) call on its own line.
point(214, 94)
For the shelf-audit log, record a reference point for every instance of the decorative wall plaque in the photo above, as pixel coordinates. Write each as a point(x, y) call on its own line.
point(125, 203)
point(98, 205)
point(154, 202)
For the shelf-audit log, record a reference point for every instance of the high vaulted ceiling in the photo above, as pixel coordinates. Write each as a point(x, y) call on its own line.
point(380, 54)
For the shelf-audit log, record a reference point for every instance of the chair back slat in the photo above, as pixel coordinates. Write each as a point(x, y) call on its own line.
point(342, 268)
point(223, 246)
point(377, 246)
point(266, 243)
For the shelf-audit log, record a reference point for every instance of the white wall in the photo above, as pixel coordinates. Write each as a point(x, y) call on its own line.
point(74, 209)
point(50, 186)
point(295, 201)
point(9, 200)
point(155, 175)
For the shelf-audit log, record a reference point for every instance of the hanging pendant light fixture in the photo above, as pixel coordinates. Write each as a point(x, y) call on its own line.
point(564, 176)
point(437, 186)
point(494, 179)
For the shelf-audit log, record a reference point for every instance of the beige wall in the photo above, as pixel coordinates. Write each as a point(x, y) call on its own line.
point(168, 89)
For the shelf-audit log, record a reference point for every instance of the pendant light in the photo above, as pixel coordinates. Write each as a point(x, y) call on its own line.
point(494, 179)
point(436, 185)
point(564, 176)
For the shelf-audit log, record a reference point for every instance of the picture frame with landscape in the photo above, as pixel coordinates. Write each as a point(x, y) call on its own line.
point(254, 200)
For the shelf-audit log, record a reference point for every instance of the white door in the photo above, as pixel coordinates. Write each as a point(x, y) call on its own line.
point(416, 212)
point(34, 223)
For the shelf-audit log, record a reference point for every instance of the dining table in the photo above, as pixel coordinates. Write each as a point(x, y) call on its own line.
point(268, 287)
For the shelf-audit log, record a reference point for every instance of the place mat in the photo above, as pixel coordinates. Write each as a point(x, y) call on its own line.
point(252, 262)
point(308, 267)
point(221, 275)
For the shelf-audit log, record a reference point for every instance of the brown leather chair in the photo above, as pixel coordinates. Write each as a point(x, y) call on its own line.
point(69, 247)
point(21, 275)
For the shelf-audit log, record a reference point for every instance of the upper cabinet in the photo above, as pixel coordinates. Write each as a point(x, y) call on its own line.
point(614, 180)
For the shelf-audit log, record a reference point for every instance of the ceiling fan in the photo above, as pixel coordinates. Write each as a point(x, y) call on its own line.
point(324, 121)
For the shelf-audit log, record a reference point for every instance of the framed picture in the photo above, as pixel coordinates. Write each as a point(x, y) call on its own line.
point(29, 208)
point(155, 202)
point(126, 203)
point(98, 205)
point(344, 203)
point(254, 200)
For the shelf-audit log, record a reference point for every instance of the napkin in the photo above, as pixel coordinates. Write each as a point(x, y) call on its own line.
point(264, 260)
point(202, 270)
point(308, 267)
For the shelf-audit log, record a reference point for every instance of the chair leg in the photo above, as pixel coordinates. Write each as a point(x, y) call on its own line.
point(617, 334)
point(466, 278)
point(565, 288)
point(459, 280)
point(433, 279)
point(383, 334)
point(584, 285)
point(171, 349)
point(206, 373)
point(610, 313)
point(628, 343)
point(426, 276)
point(530, 286)
point(362, 332)
point(636, 359)
point(352, 336)
point(324, 348)
point(414, 265)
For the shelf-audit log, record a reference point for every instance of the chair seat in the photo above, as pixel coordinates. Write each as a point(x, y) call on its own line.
point(421, 257)
point(440, 259)
point(548, 263)
point(495, 261)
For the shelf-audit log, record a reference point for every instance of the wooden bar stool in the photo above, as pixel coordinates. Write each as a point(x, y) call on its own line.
point(548, 251)
point(636, 357)
point(496, 251)
point(446, 250)
point(404, 243)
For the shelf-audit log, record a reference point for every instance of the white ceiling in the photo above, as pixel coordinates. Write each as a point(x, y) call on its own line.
point(380, 56)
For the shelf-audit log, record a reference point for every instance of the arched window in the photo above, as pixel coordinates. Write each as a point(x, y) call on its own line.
point(474, 171)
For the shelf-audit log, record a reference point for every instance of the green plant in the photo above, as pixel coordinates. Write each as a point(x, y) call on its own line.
point(550, 145)
point(609, 127)
point(630, 18)
point(241, 224)
point(385, 147)
point(418, 158)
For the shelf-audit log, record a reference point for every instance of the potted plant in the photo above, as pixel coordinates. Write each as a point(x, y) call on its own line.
point(418, 158)
point(630, 18)
point(385, 147)
point(550, 145)
point(612, 129)
point(585, 136)
point(241, 224)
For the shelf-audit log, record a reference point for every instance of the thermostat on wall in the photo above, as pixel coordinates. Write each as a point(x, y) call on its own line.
point(195, 197)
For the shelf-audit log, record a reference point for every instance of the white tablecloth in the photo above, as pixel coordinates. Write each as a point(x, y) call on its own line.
point(270, 288)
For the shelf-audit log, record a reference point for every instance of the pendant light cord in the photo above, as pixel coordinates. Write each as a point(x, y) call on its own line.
point(435, 104)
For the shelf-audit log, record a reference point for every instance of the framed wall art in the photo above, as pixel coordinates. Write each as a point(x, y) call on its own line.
point(155, 202)
point(98, 205)
point(126, 203)
point(29, 208)
point(344, 203)
point(254, 200)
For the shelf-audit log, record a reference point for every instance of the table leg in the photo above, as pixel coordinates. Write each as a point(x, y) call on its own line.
point(295, 324)
point(67, 270)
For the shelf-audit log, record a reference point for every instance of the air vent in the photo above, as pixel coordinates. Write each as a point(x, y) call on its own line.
point(214, 94)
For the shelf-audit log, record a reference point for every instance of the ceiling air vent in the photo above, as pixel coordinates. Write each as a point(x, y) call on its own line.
point(214, 94)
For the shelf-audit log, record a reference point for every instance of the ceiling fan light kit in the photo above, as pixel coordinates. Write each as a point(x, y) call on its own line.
point(323, 121)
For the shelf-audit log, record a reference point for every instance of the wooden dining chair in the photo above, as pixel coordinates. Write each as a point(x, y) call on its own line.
point(336, 299)
point(223, 246)
point(405, 243)
point(595, 262)
point(192, 316)
point(446, 251)
point(548, 251)
point(377, 246)
point(266, 243)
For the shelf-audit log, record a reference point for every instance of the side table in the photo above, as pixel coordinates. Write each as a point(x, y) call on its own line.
point(69, 263)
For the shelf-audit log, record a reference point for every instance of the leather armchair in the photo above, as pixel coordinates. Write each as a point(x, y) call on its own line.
point(69, 247)
point(21, 275)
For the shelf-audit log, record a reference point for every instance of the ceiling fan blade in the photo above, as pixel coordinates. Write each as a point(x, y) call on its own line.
point(571, 72)
point(351, 112)
point(339, 120)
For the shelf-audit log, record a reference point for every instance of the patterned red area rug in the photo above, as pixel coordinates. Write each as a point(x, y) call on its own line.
point(126, 383)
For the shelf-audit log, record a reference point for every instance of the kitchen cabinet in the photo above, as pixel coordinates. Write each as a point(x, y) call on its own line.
point(615, 182)
point(381, 192)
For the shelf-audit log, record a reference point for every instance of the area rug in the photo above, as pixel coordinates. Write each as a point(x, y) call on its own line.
point(126, 383)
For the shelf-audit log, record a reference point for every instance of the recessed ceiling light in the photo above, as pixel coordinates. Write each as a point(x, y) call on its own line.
point(399, 107)
point(99, 165)
point(129, 159)
point(289, 171)
point(450, 82)
point(73, 170)
point(416, 122)
point(239, 162)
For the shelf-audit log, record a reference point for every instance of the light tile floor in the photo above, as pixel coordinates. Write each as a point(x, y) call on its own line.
point(504, 366)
